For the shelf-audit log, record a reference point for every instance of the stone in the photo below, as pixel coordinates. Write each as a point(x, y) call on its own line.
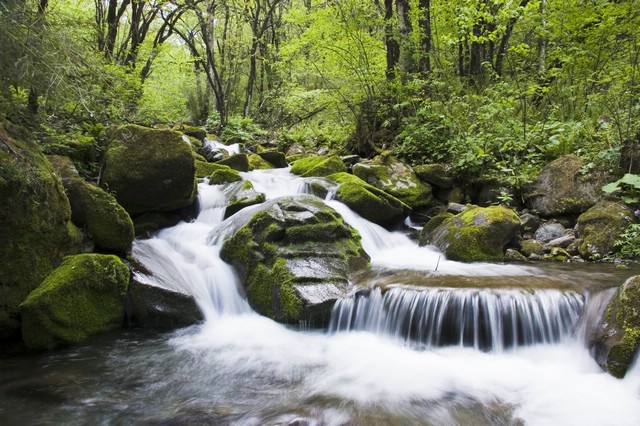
point(222, 175)
point(368, 201)
point(35, 223)
point(149, 170)
point(240, 195)
point(434, 174)
point(618, 338)
point(160, 308)
point(476, 234)
point(84, 296)
point(318, 166)
point(295, 256)
point(529, 247)
point(275, 158)
point(425, 233)
point(549, 231)
point(600, 227)
point(204, 169)
point(195, 132)
point(529, 222)
point(239, 162)
point(562, 242)
point(561, 189)
point(395, 178)
point(256, 162)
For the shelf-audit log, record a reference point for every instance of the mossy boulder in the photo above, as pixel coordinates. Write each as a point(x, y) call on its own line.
point(149, 170)
point(148, 223)
point(34, 223)
point(256, 162)
point(318, 166)
point(368, 201)
point(561, 189)
point(434, 174)
point(600, 227)
point(275, 158)
point(395, 178)
point(98, 212)
point(240, 195)
point(223, 174)
point(204, 169)
point(239, 162)
point(195, 132)
point(619, 337)
point(82, 297)
point(433, 224)
point(295, 256)
point(476, 234)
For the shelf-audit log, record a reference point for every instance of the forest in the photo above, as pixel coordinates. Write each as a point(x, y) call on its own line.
point(492, 88)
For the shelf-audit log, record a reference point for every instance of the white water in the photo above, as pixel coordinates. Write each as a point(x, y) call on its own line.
point(544, 384)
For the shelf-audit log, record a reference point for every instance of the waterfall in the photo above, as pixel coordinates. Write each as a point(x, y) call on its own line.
point(487, 319)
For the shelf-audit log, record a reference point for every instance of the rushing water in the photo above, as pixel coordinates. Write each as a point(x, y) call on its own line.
point(425, 341)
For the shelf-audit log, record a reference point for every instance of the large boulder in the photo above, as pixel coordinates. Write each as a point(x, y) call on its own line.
point(318, 166)
point(240, 195)
point(395, 178)
point(434, 174)
point(239, 162)
point(84, 296)
point(35, 227)
point(561, 189)
point(368, 201)
point(161, 308)
point(295, 256)
point(149, 170)
point(619, 336)
point(95, 210)
point(600, 227)
point(476, 234)
point(275, 158)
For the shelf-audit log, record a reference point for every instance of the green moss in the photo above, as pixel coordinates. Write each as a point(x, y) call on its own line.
point(271, 292)
point(204, 169)
point(256, 162)
point(320, 232)
point(224, 175)
point(149, 170)
point(318, 166)
point(82, 297)
point(239, 162)
point(368, 201)
point(34, 224)
point(431, 226)
point(600, 227)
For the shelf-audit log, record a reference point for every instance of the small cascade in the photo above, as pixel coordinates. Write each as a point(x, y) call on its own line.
point(486, 319)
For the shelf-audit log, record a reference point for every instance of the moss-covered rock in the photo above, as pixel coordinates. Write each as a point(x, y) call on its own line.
point(223, 174)
point(432, 225)
point(204, 169)
point(529, 247)
point(395, 178)
point(195, 132)
point(275, 158)
point(318, 166)
point(600, 227)
point(239, 162)
point(295, 256)
point(368, 201)
point(241, 195)
point(148, 223)
point(149, 170)
point(476, 234)
point(82, 297)
point(34, 224)
point(434, 174)
point(619, 337)
point(561, 189)
point(93, 209)
point(256, 162)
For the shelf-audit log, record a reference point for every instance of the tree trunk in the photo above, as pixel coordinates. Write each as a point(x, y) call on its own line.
point(424, 64)
point(391, 44)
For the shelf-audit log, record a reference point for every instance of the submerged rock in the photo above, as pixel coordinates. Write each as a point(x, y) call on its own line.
point(619, 337)
point(600, 227)
point(82, 297)
point(560, 189)
point(476, 234)
point(368, 201)
point(149, 170)
point(35, 227)
point(240, 195)
point(395, 178)
point(295, 256)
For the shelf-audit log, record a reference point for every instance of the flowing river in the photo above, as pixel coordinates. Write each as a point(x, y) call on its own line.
point(445, 343)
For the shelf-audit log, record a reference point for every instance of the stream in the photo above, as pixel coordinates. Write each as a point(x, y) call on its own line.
point(446, 343)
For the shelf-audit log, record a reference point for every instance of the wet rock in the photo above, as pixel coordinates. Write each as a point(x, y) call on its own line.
point(562, 242)
point(600, 227)
point(456, 208)
point(239, 162)
point(275, 158)
point(222, 175)
point(149, 170)
point(434, 174)
point(295, 256)
point(256, 162)
point(195, 132)
point(425, 233)
point(368, 201)
point(476, 234)
point(35, 223)
point(529, 222)
point(318, 166)
point(561, 189)
point(529, 247)
point(82, 297)
point(240, 195)
point(395, 178)
point(549, 231)
point(619, 337)
point(210, 153)
point(157, 307)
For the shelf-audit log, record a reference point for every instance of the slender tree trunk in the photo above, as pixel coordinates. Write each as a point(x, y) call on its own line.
point(391, 44)
point(424, 64)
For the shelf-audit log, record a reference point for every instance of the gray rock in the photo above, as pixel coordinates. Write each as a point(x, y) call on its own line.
point(157, 307)
point(549, 231)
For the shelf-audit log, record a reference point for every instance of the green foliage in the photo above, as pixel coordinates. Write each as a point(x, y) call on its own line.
point(629, 243)
point(628, 185)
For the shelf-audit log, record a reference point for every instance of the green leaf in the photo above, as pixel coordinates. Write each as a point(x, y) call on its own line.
point(611, 187)
point(631, 179)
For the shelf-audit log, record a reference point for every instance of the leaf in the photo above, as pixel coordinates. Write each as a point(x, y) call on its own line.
point(631, 179)
point(611, 187)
